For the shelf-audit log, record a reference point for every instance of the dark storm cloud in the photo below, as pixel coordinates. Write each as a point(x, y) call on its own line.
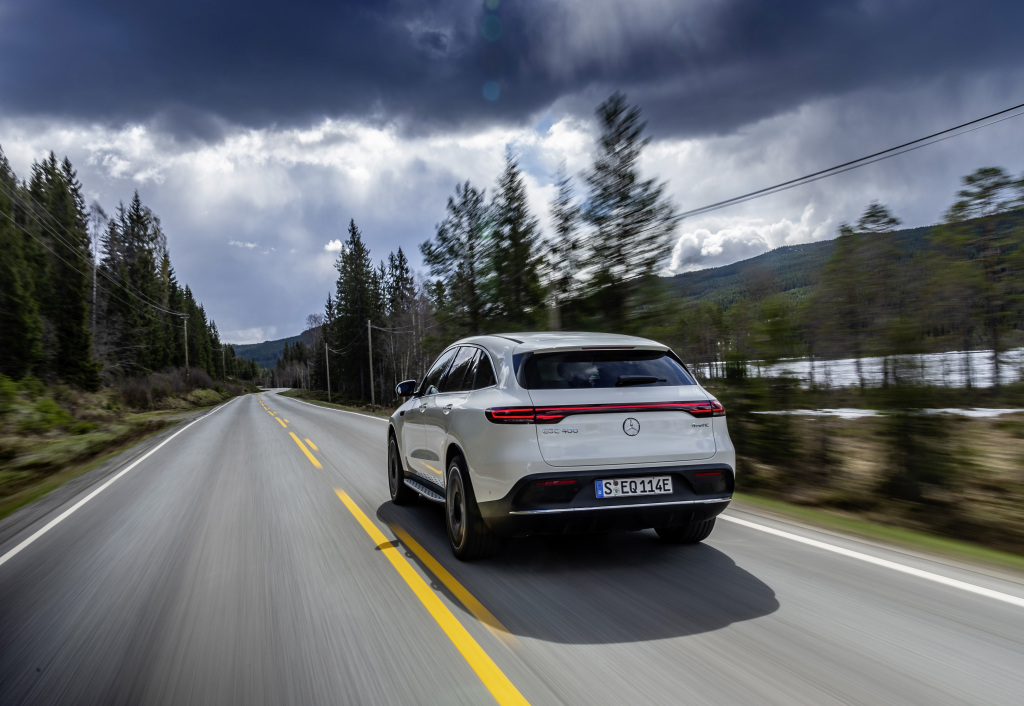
point(189, 66)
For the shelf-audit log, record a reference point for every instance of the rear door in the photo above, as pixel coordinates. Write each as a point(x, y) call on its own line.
point(617, 408)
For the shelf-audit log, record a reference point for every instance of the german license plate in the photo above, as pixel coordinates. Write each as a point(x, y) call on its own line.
point(619, 487)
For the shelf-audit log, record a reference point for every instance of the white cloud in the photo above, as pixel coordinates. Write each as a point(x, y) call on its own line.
point(289, 193)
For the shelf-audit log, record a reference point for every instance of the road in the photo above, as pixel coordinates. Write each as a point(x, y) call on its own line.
point(224, 566)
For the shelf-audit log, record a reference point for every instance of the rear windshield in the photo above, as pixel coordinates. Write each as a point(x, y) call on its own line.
point(617, 368)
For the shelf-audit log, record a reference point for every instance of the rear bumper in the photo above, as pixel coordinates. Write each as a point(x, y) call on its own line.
point(699, 493)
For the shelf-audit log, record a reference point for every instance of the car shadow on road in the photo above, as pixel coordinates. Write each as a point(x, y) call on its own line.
point(595, 589)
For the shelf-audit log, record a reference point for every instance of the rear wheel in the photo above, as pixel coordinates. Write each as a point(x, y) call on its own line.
point(686, 534)
point(401, 494)
point(468, 535)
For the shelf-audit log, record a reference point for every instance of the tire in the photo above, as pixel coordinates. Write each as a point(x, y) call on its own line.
point(469, 536)
point(686, 534)
point(401, 494)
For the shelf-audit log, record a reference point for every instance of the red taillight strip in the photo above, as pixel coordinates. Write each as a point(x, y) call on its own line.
point(553, 415)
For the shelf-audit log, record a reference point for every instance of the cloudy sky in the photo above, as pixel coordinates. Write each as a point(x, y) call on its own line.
point(257, 129)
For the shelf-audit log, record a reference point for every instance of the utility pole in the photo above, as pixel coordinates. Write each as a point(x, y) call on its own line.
point(184, 326)
point(369, 338)
point(327, 363)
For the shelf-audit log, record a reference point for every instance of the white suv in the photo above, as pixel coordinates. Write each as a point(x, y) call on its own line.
point(561, 432)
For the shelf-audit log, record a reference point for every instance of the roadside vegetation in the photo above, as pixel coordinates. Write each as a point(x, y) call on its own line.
point(876, 291)
point(96, 332)
point(51, 434)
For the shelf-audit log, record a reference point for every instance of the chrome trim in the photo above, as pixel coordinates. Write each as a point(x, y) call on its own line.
point(620, 507)
point(424, 491)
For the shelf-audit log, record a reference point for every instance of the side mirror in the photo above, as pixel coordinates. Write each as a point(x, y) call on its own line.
point(405, 388)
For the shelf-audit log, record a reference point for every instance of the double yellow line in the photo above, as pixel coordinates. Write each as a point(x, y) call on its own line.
point(503, 691)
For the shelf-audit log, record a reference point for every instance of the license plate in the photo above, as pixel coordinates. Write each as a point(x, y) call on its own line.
point(619, 487)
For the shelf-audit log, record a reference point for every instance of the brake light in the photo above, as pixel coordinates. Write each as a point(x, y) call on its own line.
point(553, 415)
point(511, 415)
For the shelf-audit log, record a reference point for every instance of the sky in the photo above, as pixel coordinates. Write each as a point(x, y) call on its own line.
point(256, 130)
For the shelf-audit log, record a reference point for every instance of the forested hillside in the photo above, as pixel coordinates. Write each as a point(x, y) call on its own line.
point(791, 269)
point(265, 354)
point(75, 313)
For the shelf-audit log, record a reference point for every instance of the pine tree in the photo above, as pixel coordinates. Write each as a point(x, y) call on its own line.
point(20, 325)
point(514, 281)
point(57, 194)
point(985, 253)
point(632, 219)
point(456, 255)
point(562, 263)
point(355, 303)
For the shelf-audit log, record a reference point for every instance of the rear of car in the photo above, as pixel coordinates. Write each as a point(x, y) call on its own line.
point(578, 433)
point(628, 439)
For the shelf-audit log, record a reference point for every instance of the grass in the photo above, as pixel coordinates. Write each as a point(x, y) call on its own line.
point(894, 535)
point(311, 396)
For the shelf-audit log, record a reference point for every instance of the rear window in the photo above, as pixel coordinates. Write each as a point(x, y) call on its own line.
point(612, 368)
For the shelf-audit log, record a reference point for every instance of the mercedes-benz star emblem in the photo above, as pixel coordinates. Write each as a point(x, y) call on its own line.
point(631, 426)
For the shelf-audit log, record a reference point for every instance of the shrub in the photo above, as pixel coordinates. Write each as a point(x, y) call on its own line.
point(135, 393)
point(203, 398)
point(82, 427)
point(8, 392)
point(32, 387)
point(46, 415)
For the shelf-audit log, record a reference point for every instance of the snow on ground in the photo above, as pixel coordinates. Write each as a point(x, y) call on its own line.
point(851, 413)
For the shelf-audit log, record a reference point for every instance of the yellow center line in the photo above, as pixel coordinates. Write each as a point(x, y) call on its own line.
point(286, 421)
point(432, 468)
point(490, 674)
point(281, 422)
point(312, 445)
point(457, 589)
point(311, 457)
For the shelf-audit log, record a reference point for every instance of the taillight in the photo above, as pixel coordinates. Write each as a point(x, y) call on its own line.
point(553, 415)
point(713, 408)
point(511, 415)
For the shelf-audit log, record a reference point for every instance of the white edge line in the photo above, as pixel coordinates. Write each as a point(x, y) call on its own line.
point(927, 575)
point(61, 517)
point(331, 409)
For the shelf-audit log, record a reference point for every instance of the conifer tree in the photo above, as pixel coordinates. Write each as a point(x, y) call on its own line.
point(456, 255)
point(515, 292)
point(631, 217)
point(20, 325)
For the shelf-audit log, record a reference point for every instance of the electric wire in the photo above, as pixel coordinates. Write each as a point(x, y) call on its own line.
point(111, 294)
point(33, 213)
point(920, 142)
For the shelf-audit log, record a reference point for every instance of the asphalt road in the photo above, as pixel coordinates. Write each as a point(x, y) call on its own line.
point(225, 567)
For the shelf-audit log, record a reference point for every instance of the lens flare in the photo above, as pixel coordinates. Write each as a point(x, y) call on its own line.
point(491, 91)
point(490, 27)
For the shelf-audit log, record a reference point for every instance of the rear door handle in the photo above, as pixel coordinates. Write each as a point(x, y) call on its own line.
point(423, 407)
point(447, 408)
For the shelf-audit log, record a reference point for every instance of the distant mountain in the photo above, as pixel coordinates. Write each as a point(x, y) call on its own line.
point(793, 269)
point(264, 354)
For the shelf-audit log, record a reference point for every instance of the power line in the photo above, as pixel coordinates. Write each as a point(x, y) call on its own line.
point(860, 162)
point(129, 288)
point(84, 274)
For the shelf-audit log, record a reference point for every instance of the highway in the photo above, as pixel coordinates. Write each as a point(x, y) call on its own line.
point(254, 557)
